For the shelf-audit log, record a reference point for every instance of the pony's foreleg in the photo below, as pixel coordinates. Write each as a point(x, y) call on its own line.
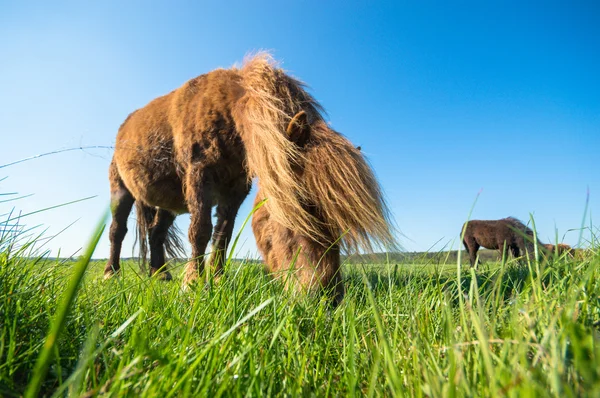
point(504, 250)
point(516, 252)
point(121, 202)
point(157, 235)
point(223, 230)
point(199, 202)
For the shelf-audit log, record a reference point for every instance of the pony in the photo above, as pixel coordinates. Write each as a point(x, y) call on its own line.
point(496, 235)
point(560, 248)
point(202, 144)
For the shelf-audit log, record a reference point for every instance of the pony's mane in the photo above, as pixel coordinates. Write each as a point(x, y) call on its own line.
point(271, 100)
point(518, 224)
point(334, 174)
point(355, 204)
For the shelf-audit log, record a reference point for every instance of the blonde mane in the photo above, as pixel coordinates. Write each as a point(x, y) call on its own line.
point(329, 173)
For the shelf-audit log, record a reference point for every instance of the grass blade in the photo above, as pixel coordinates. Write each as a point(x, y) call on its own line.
point(60, 317)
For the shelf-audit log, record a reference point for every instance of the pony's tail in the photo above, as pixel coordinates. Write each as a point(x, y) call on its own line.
point(329, 174)
point(174, 246)
point(144, 217)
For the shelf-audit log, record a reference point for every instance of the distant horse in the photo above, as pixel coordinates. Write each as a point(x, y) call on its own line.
point(560, 248)
point(497, 234)
point(200, 146)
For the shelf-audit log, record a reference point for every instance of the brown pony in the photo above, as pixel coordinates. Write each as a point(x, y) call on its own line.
point(200, 145)
point(560, 248)
point(496, 234)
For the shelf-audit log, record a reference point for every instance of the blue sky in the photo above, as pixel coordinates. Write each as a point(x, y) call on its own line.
point(501, 98)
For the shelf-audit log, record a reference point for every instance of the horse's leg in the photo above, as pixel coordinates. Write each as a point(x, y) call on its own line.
point(121, 202)
point(157, 235)
point(504, 248)
point(472, 246)
point(515, 251)
point(336, 285)
point(474, 251)
point(467, 249)
point(226, 213)
point(199, 200)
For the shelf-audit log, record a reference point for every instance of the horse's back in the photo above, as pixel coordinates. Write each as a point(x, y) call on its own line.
point(487, 233)
point(190, 126)
point(200, 114)
point(143, 156)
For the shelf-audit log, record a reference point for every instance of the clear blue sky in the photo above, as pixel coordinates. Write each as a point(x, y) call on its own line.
point(447, 100)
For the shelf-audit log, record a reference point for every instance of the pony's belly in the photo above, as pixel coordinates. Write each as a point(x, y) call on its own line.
point(489, 245)
point(164, 192)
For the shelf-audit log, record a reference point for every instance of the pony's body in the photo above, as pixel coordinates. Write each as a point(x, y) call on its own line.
point(507, 234)
point(181, 153)
point(192, 125)
point(200, 145)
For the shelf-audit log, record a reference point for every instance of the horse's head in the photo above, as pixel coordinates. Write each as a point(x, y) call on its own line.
point(340, 207)
point(322, 195)
point(302, 262)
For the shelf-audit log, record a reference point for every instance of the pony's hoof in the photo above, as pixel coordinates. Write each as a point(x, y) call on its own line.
point(109, 274)
point(190, 277)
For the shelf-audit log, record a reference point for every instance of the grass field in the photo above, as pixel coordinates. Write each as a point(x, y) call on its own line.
point(408, 330)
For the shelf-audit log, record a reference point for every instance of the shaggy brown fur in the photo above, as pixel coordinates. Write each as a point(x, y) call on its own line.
point(507, 233)
point(299, 260)
point(200, 146)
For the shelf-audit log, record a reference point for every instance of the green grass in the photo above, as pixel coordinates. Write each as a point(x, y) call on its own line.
point(416, 330)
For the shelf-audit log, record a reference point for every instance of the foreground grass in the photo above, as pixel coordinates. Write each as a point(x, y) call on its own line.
point(402, 330)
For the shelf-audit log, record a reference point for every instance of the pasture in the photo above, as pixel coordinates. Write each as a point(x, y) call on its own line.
point(407, 329)
point(355, 128)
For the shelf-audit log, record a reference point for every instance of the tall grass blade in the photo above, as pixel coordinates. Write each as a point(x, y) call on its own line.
point(60, 317)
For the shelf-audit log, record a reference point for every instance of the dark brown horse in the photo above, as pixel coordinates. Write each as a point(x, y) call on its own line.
point(507, 233)
point(200, 145)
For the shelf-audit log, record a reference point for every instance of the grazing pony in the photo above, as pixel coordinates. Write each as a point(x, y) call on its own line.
point(200, 145)
point(560, 248)
point(495, 235)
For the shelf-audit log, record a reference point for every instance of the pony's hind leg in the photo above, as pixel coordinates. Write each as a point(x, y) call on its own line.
point(199, 201)
point(121, 202)
point(226, 213)
point(157, 236)
point(472, 247)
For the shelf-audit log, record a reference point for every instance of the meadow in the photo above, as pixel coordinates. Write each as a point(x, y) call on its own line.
point(507, 329)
